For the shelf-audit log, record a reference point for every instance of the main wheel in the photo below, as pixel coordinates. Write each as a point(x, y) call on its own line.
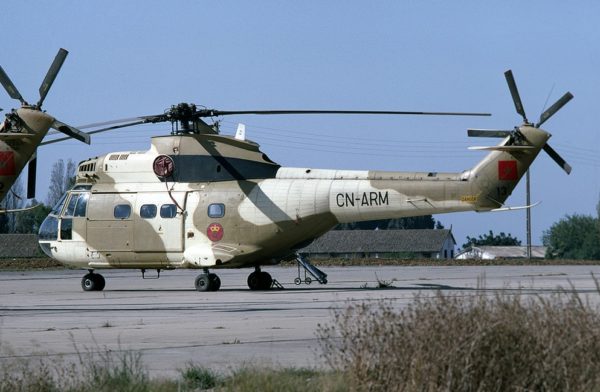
point(215, 282)
point(202, 282)
point(265, 280)
point(254, 281)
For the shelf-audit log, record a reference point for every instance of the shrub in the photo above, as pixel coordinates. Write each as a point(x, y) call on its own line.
point(473, 343)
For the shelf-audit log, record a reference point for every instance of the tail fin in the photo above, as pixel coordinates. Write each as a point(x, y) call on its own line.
point(496, 176)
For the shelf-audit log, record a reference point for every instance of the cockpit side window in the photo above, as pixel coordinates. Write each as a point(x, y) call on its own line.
point(71, 205)
point(81, 204)
point(77, 205)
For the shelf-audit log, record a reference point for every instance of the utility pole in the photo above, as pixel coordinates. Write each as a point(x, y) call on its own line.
point(528, 211)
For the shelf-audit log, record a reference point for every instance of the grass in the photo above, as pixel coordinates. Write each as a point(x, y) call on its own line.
point(496, 341)
point(475, 343)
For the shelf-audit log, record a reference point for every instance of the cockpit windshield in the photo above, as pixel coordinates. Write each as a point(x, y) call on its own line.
point(59, 205)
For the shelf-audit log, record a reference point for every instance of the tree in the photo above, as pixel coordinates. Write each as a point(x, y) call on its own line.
point(61, 179)
point(13, 200)
point(29, 221)
point(573, 237)
point(490, 239)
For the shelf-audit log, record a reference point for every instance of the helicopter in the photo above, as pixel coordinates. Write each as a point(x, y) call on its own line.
point(24, 129)
point(202, 200)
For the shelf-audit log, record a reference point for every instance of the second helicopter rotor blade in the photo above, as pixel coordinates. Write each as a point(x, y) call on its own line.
point(557, 158)
point(514, 92)
point(51, 74)
point(94, 131)
point(71, 131)
point(562, 101)
point(10, 88)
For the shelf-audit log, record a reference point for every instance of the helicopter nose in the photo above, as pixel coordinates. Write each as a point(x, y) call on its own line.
point(48, 232)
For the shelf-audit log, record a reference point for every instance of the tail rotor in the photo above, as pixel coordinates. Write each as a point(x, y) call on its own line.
point(516, 134)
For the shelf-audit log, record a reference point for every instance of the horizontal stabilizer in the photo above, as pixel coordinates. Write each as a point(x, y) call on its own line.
point(502, 148)
point(515, 208)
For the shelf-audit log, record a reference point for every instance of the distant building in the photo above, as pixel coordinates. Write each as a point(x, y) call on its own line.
point(501, 252)
point(17, 246)
point(434, 244)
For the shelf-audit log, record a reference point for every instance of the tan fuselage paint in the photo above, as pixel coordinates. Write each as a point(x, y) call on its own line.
point(265, 218)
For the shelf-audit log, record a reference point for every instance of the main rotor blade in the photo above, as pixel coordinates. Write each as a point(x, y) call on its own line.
point(71, 131)
point(31, 175)
point(514, 92)
point(562, 101)
point(557, 158)
point(488, 133)
point(51, 75)
point(215, 113)
point(10, 88)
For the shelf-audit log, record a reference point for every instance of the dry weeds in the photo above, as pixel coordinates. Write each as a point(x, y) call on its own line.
point(475, 343)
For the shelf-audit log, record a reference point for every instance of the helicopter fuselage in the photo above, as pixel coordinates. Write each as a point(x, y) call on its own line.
point(211, 201)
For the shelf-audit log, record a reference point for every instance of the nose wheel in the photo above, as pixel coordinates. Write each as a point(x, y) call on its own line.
point(92, 282)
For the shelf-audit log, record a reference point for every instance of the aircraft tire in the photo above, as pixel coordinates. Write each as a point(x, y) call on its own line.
point(202, 282)
point(100, 282)
point(92, 282)
point(254, 281)
point(215, 282)
point(265, 280)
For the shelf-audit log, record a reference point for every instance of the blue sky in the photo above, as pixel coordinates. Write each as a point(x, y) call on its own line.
point(130, 58)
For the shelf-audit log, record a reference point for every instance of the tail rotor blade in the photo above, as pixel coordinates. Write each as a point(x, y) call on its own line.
point(562, 101)
point(514, 92)
point(71, 131)
point(557, 158)
point(10, 87)
point(31, 175)
point(51, 75)
point(501, 133)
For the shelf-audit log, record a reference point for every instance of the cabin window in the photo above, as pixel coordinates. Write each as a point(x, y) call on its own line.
point(66, 229)
point(122, 211)
point(148, 211)
point(216, 210)
point(168, 211)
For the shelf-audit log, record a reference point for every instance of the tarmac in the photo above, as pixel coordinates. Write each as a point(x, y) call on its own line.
point(45, 314)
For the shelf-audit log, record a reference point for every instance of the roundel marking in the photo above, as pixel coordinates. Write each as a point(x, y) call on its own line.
point(163, 166)
point(214, 232)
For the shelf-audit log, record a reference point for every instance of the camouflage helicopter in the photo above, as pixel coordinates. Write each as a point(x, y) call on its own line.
point(23, 129)
point(199, 199)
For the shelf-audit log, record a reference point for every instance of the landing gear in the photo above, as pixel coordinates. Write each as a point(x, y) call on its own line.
point(207, 282)
point(92, 282)
point(259, 280)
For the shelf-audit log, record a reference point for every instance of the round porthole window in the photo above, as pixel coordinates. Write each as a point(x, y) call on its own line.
point(163, 166)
